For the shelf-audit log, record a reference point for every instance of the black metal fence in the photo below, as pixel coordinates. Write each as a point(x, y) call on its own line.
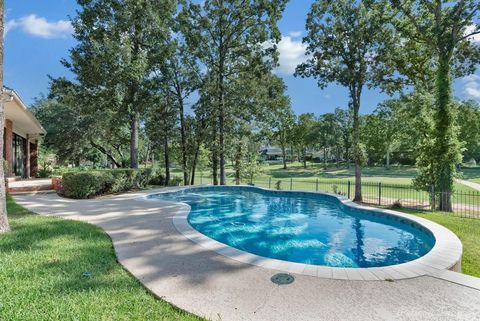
point(461, 203)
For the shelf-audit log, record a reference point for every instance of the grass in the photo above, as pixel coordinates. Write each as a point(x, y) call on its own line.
point(468, 230)
point(471, 173)
point(307, 176)
point(41, 266)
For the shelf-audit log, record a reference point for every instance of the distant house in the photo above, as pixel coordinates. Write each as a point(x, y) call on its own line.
point(270, 153)
point(21, 136)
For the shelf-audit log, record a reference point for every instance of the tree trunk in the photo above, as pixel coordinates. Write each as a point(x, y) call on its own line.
point(167, 159)
point(446, 145)
point(134, 139)
point(238, 164)
point(215, 167)
point(221, 120)
point(388, 158)
point(304, 158)
point(109, 155)
point(357, 155)
point(183, 139)
point(284, 154)
point(194, 165)
point(324, 158)
point(4, 226)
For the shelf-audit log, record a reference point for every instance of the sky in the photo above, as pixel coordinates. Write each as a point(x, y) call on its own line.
point(38, 36)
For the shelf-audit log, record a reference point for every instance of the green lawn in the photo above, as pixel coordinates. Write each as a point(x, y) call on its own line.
point(305, 178)
point(471, 174)
point(468, 230)
point(41, 266)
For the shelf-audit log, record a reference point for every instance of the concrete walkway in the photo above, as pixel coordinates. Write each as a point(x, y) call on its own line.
point(219, 288)
point(473, 185)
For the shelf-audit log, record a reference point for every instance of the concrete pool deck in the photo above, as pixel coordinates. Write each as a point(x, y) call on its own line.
point(219, 288)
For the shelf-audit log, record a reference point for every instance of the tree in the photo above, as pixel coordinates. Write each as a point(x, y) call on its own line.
point(328, 132)
point(384, 129)
point(4, 226)
point(181, 73)
point(160, 126)
point(276, 116)
point(305, 134)
point(85, 126)
point(344, 120)
point(344, 42)
point(229, 36)
point(117, 41)
point(445, 30)
point(468, 119)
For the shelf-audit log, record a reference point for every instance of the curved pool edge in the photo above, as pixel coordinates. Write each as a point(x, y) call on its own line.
point(446, 253)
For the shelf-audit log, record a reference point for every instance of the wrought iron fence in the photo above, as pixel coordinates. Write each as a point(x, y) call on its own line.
point(459, 203)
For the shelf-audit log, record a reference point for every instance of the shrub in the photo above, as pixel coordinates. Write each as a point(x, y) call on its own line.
point(93, 183)
point(175, 181)
point(86, 184)
point(157, 179)
point(397, 204)
point(278, 185)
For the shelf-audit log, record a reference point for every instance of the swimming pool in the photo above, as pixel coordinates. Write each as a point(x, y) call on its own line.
point(308, 228)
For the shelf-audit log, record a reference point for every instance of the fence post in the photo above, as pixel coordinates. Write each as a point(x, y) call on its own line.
point(291, 183)
point(316, 187)
point(270, 183)
point(379, 193)
point(433, 197)
point(348, 189)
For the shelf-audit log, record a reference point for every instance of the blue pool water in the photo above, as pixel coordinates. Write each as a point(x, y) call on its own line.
point(301, 227)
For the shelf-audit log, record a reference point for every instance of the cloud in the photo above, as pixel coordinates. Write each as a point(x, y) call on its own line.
point(295, 34)
point(472, 87)
point(469, 30)
point(292, 53)
point(40, 27)
point(9, 25)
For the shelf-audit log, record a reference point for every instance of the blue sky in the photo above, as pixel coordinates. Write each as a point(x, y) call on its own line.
point(39, 35)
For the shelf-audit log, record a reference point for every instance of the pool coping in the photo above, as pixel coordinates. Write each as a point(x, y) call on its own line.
point(446, 253)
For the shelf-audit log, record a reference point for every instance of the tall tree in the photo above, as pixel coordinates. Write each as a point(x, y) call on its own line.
point(445, 28)
point(328, 132)
point(117, 40)
point(304, 134)
point(230, 37)
point(181, 73)
point(276, 116)
point(344, 120)
point(4, 226)
point(468, 120)
point(384, 129)
point(161, 129)
point(344, 42)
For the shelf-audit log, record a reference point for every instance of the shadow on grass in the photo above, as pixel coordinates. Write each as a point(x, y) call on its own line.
point(43, 260)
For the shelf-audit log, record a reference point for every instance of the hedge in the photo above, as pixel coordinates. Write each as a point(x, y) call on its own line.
point(94, 183)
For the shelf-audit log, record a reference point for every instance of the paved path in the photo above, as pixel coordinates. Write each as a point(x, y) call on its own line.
point(219, 288)
point(473, 185)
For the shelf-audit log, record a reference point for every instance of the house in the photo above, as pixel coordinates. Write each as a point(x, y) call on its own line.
point(22, 134)
point(272, 154)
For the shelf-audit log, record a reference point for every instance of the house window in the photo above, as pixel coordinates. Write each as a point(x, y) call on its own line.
point(19, 156)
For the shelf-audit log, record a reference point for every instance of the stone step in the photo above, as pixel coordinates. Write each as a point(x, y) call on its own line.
point(35, 188)
point(13, 179)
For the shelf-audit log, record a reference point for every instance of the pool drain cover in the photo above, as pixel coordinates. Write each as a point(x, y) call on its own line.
point(282, 278)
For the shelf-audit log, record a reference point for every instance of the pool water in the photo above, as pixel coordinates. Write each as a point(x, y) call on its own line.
point(302, 227)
